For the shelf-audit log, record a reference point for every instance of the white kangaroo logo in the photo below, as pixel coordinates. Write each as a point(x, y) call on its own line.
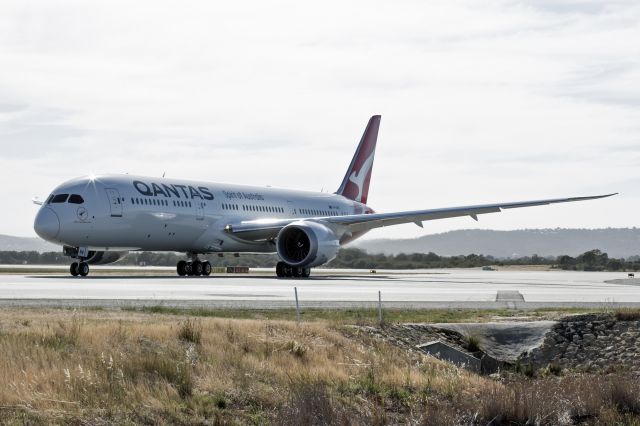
point(359, 177)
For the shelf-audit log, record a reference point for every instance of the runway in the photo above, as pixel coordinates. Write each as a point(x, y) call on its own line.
point(446, 288)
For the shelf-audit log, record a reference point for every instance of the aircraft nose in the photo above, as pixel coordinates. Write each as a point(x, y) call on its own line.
point(47, 224)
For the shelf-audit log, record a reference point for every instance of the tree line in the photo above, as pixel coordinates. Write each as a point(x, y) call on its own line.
point(353, 258)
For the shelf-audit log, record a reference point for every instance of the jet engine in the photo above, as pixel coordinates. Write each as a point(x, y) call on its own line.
point(307, 244)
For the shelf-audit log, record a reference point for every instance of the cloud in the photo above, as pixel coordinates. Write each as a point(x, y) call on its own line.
point(26, 131)
point(481, 101)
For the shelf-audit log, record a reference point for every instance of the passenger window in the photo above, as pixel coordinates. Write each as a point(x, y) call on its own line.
point(76, 199)
point(60, 198)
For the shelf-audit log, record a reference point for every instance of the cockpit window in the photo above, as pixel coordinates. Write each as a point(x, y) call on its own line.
point(49, 199)
point(76, 199)
point(59, 198)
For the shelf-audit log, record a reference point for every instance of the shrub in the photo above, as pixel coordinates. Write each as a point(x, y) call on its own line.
point(152, 367)
point(190, 331)
point(65, 337)
point(551, 369)
point(624, 396)
point(472, 342)
point(296, 349)
point(309, 404)
point(628, 314)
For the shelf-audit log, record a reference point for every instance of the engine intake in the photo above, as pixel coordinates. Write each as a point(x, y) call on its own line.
point(307, 244)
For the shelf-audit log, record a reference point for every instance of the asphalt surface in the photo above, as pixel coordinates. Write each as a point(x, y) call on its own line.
point(465, 288)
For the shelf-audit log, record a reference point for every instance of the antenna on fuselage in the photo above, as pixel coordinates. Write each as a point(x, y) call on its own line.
point(164, 173)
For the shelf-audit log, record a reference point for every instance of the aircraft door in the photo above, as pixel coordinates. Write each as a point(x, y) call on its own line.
point(200, 210)
point(115, 202)
point(292, 210)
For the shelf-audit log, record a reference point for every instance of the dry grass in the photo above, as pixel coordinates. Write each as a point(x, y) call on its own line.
point(62, 366)
point(627, 314)
point(96, 367)
point(555, 401)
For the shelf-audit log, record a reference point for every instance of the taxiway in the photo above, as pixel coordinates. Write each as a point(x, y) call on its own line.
point(447, 288)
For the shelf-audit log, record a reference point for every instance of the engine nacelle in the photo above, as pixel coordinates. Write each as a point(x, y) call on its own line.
point(307, 244)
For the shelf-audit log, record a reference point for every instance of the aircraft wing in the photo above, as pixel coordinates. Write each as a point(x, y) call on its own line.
point(260, 230)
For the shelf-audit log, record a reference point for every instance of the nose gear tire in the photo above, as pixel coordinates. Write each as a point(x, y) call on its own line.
point(83, 269)
point(74, 269)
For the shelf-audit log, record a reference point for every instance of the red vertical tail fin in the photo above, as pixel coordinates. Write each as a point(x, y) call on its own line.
point(355, 184)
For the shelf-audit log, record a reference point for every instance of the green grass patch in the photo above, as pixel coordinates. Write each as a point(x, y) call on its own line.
point(361, 316)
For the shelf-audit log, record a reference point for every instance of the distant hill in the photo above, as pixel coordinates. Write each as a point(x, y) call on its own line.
point(617, 242)
point(10, 243)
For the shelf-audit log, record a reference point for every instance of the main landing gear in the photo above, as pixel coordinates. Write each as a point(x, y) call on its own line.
point(79, 268)
point(194, 268)
point(285, 270)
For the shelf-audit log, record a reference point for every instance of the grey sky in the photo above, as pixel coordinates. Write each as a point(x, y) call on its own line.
point(482, 101)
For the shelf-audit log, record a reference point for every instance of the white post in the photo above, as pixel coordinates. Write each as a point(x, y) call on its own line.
point(295, 289)
point(379, 308)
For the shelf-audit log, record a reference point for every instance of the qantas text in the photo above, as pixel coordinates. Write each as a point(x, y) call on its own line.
point(179, 191)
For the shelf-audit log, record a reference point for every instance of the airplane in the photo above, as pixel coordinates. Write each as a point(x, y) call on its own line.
point(98, 219)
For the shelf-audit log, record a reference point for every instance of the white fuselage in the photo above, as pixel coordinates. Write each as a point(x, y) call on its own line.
point(123, 212)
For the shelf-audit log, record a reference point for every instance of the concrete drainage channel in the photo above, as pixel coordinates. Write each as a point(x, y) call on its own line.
point(599, 342)
point(500, 344)
point(478, 361)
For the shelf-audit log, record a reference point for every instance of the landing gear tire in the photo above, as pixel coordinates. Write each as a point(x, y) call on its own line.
point(182, 268)
point(206, 268)
point(189, 269)
point(74, 269)
point(284, 270)
point(287, 270)
point(83, 269)
point(196, 267)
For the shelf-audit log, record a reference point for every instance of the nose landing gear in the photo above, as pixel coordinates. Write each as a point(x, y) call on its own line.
point(79, 268)
point(284, 270)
